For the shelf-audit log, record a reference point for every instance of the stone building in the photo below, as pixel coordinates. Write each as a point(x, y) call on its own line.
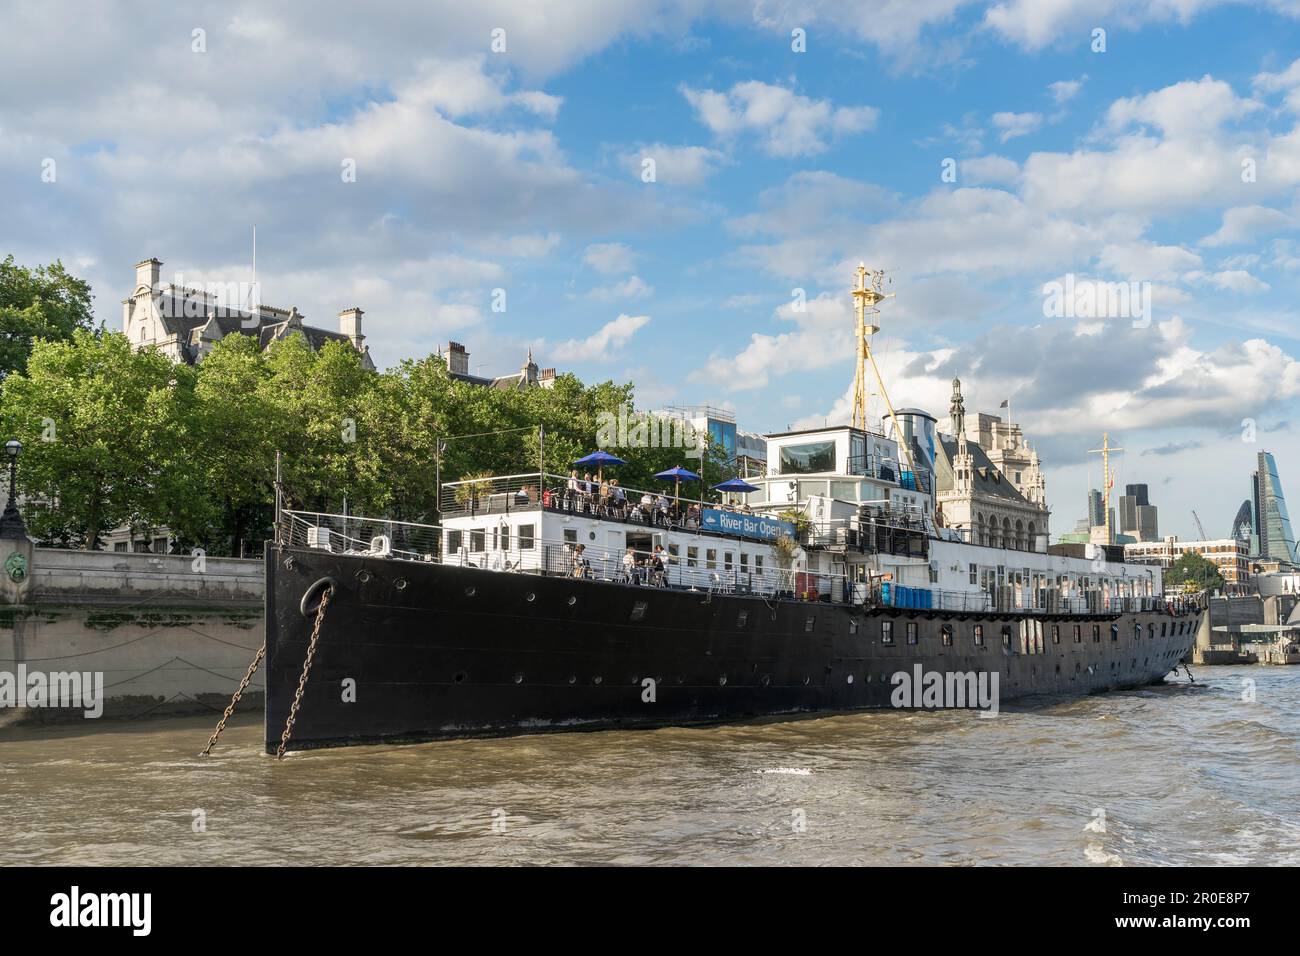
point(989, 483)
point(185, 323)
point(529, 374)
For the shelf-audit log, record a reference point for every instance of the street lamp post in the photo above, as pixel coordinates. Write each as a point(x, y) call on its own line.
point(11, 522)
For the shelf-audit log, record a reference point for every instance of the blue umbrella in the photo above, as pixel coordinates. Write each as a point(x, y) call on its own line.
point(677, 473)
point(739, 485)
point(600, 459)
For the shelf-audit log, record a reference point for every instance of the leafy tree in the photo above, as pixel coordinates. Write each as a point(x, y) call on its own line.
point(1196, 570)
point(46, 302)
point(99, 421)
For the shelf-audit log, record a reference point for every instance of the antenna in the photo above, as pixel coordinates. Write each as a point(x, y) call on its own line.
point(1107, 481)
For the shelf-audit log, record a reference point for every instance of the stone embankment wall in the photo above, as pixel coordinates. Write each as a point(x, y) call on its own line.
point(170, 634)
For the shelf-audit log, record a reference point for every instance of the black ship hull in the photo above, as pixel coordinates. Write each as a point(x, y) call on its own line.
point(418, 651)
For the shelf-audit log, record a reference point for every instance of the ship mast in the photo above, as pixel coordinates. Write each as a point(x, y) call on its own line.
point(1107, 480)
point(865, 299)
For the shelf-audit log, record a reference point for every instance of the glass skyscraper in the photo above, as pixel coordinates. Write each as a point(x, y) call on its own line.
point(1272, 523)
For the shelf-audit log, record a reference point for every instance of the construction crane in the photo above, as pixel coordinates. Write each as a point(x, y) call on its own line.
point(1200, 527)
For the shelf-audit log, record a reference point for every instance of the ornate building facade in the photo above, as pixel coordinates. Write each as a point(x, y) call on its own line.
point(185, 323)
point(989, 483)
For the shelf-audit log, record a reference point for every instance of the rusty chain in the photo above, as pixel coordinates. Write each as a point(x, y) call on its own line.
point(243, 686)
point(306, 668)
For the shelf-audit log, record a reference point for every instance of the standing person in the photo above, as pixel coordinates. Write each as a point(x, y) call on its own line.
point(620, 499)
point(579, 560)
point(571, 492)
point(604, 497)
point(588, 492)
point(657, 567)
point(629, 566)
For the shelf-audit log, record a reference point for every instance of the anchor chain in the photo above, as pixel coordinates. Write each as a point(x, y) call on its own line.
point(306, 669)
point(230, 709)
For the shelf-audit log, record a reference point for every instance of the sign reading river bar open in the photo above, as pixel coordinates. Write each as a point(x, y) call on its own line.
point(750, 526)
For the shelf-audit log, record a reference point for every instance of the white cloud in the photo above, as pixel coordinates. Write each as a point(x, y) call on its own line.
point(633, 287)
point(601, 344)
point(1065, 90)
point(787, 123)
point(1230, 280)
point(609, 258)
point(674, 165)
point(1012, 125)
point(1243, 224)
point(982, 170)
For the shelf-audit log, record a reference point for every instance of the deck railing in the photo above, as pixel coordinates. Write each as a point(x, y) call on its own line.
point(506, 550)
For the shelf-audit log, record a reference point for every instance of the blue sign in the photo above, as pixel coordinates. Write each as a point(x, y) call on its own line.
point(746, 526)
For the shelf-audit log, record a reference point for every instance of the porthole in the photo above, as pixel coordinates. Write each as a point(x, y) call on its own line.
point(363, 575)
point(572, 600)
point(591, 535)
point(807, 681)
point(573, 678)
point(722, 680)
point(519, 677)
point(765, 680)
point(469, 592)
point(530, 597)
point(596, 679)
point(849, 679)
point(400, 584)
point(460, 677)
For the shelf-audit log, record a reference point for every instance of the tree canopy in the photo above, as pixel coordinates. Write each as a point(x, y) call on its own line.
point(41, 303)
point(1196, 570)
point(116, 436)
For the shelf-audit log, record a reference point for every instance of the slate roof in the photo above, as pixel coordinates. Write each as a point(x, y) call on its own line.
point(988, 479)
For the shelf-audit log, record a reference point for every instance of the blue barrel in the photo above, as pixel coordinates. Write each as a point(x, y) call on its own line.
point(929, 600)
point(886, 595)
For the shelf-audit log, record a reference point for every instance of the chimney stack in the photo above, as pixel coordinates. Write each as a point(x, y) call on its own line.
point(350, 325)
point(147, 273)
point(457, 359)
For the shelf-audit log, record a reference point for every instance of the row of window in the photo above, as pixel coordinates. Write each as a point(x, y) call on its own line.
point(500, 539)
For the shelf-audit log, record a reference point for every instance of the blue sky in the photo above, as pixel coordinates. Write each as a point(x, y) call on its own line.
point(775, 170)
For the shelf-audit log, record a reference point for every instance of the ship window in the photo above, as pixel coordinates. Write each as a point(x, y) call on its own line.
point(1152, 630)
point(570, 535)
point(1056, 634)
point(453, 541)
point(1096, 634)
point(505, 537)
point(911, 632)
point(1006, 636)
point(808, 624)
point(741, 618)
point(974, 574)
point(758, 564)
point(477, 539)
point(710, 558)
point(1114, 632)
point(692, 556)
point(853, 625)
point(979, 635)
point(1078, 634)
point(1163, 630)
point(886, 632)
point(674, 552)
point(527, 537)
point(946, 632)
point(638, 610)
point(744, 563)
point(726, 560)
point(808, 458)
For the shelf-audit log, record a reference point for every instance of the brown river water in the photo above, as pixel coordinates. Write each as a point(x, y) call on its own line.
point(1175, 774)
